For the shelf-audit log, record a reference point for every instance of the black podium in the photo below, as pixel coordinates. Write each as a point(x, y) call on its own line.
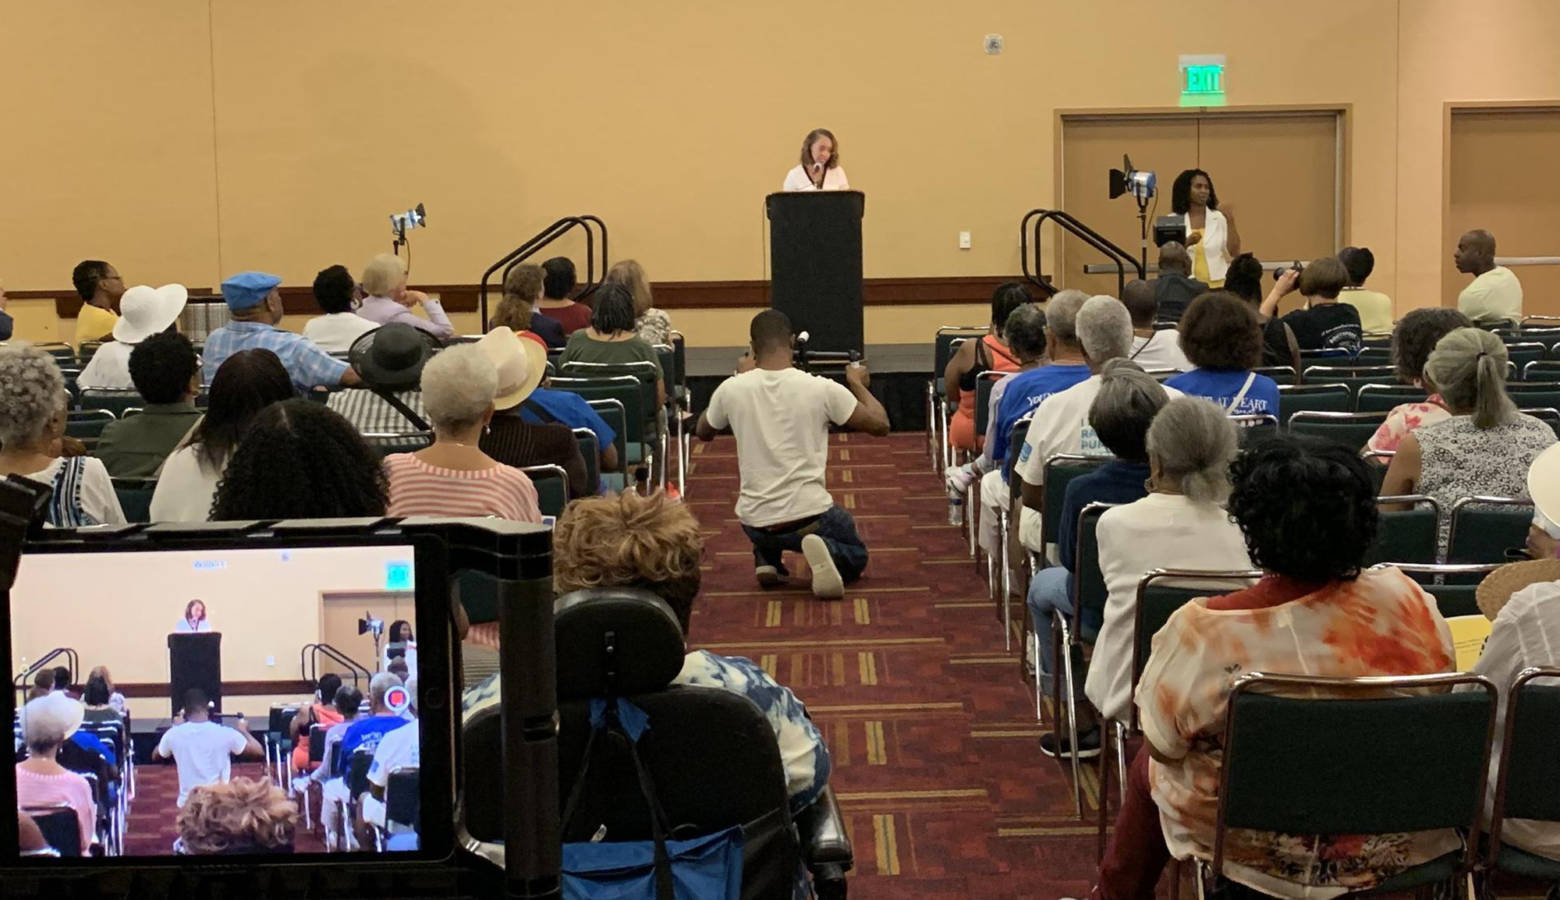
point(195, 661)
point(815, 264)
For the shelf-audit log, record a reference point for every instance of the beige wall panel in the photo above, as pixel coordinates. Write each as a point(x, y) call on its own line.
point(1277, 174)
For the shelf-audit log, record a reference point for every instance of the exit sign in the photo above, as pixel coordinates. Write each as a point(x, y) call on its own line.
point(1202, 80)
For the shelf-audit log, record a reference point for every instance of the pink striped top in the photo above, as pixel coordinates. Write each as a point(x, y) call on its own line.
point(418, 489)
point(69, 788)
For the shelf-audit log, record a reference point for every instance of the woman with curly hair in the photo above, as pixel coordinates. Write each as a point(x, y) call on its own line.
point(1308, 514)
point(1414, 337)
point(299, 460)
point(32, 429)
point(243, 816)
point(1221, 337)
point(245, 383)
point(653, 542)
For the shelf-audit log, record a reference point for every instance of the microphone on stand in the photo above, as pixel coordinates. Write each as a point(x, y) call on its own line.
point(817, 167)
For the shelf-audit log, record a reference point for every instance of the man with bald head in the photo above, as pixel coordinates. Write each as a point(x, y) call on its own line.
point(1175, 288)
point(1153, 350)
point(1495, 294)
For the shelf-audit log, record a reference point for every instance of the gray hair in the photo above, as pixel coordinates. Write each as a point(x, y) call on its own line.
point(1194, 442)
point(382, 274)
point(1468, 369)
point(1122, 411)
point(380, 685)
point(458, 387)
point(1061, 314)
point(32, 391)
point(1024, 331)
point(1104, 328)
point(411, 690)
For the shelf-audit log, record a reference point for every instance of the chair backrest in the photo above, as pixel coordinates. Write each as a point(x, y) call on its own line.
point(60, 827)
point(87, 424)
point(626, 389)
point(644, 373)
point(1327, 755)
point(1355, 377)
point(357, 769)
point(387, 443)
point(1352, 430)
point(667, 357)
point(1529, 767)
point(1521, 353)
point(1383, 397)
point(983, 386)
point(1452, 585)
point(1313, 398)
point(1535, 393)
point(1089, 588)
point(135, 497)
point(1406, 535)
point(280, 717)
point(1374, 356)
point(403, 802)
point(552, 488)
point(71, 387)
point(1280, 374)
point(590, 451)
point(1549, 416)
point(86, 350)
point(317, 742)
point(1163, 591)
point(947, 342)
point(64, 354)
point(1059, 471)
point(614, 412)
point(1484, 528)
point(115, 402)
point(1543, 370)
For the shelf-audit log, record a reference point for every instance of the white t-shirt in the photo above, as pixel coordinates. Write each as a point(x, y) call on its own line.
point(335, 332)
point(781, 420)
point(108, 369)
point(399, 748)
point(184, 489)
point(833, 180)
point(1158, 531)
point(1491, 297)
point(203, 753)
point(1160, 350)
point(95, 494)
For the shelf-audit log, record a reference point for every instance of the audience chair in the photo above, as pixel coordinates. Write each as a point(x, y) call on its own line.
point(1376, 340)
point(632, 393)
point(1536, 394)
point(115, 402)
point(1001, 579)
point(403, 803)
point(944, 346)
point(1068, 638)
point(1452, 585)
point(1549, 416)
point(1485, 528)
point(590, 451)
point(710, 753)
point(1313, 398)
point(1405, 535)
point(677, 407)
point(1347, 775)
point(1251, 428)
point(135, 497)
point(1059, 471)
point(655, 449)
point(1374, 356)
point(1547, 370)
point(86, 425)
point(317, 734)
point(60, 827)
point(1329, 356)
point(1284, 375)
point(64, 354)
point(983, 385)
point(71, 387)
point(1355, 377)
point(1547, 334)
point(278, 745)
point(85, 351)
point(1520, 353)
point(1384, 397)
point(356, 777)
point(613, 411)
point(1352, 430)
point(1528, 772)
point(552, 488)
point(386, 443)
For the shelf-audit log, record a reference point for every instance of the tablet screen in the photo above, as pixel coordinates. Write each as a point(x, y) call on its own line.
point(219, 702)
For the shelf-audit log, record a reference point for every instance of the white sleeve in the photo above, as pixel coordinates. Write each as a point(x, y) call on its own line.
point(715, 413)
point(797, 180)
point(97, 494)
point(844, 182)
point(838, 400)
point(236, 742)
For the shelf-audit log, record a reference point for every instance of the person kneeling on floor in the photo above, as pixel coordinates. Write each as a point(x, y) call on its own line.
point(781, 416)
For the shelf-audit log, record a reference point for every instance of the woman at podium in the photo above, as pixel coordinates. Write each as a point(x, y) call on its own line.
point(1210, 235)
point(820, 167)
point(194, 619)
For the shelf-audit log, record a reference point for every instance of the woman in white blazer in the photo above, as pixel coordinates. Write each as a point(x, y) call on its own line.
point(820, 167)
point(1211, 237)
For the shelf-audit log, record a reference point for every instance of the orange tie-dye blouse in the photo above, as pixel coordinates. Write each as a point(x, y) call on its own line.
point(1380, 624)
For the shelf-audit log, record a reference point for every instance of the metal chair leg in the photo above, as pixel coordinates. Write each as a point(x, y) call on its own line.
point(1065, 670)
point(1120, 738)
point(1034, 642)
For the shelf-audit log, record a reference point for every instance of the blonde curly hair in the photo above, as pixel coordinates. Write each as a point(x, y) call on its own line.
point(246, 815)
point(626, 540)
point(32, 391)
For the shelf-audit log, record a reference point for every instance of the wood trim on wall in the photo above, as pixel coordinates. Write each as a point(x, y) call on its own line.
point(159, 690)
point(463, 298)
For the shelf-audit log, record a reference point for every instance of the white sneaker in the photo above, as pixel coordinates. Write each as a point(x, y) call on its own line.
point(826, 581)
point(959, 478)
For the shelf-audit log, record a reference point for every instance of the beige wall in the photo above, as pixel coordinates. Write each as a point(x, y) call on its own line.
point(185, 139)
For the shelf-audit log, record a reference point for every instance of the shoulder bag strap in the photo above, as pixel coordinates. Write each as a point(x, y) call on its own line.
point(1234, 406)
point(402, 408)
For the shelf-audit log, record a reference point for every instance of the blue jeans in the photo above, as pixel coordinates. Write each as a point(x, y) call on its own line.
point(1051, 589)
point(838, 531)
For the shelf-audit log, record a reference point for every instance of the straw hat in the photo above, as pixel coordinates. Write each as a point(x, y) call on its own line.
point(520, 363)
point(145, 310)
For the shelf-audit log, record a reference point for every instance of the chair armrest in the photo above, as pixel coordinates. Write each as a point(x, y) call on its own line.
point(825, 845)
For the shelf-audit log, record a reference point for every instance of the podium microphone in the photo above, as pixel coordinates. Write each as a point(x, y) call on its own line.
point(817, 167)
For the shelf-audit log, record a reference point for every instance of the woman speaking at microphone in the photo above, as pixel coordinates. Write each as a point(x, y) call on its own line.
point(1211, 238)
point(820, 169)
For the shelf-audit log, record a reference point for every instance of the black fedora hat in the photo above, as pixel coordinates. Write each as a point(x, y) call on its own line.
point(392, 356)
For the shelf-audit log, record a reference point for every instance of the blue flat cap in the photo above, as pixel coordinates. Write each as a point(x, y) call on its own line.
point(247, 289)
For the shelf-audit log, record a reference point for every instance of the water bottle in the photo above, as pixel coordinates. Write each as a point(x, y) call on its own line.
point(955, 509)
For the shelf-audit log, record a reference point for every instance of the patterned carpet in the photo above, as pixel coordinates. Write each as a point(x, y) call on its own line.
point(151, 827)
point(932, 731)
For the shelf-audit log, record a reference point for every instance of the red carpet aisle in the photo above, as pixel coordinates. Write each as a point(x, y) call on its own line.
point(151, 828)
point(932, 731)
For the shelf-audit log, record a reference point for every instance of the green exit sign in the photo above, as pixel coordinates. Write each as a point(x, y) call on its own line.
point(1202, 80)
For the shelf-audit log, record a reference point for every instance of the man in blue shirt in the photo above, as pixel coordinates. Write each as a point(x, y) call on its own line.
point(546, 406)
point(256, 308)
point(1024, 392)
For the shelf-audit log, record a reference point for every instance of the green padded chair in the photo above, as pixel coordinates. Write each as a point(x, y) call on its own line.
point(1484, 528)
point(410, 442)
point(1059, 471)
point(135, 497)
point(1383, 397)
point(1406, 535)
point(1523, 352)
point(1284, 375)
point(1334, 764)
point(1068, 635)
point(115, 402)
point(1293, 398)
point(1529, 772)
point(1355, 377)
point(1452, 586)
point(86, 425)
point(552, 488)
point(944, 345)
point(590, 451)
point(631, 392)
point(612, 411)
point(1352, 430)
point(1535, 394)
point(1547, 370)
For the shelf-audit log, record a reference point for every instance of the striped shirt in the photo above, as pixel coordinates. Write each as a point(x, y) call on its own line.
point(305, 362)
point(418, 489)
point(372, 414)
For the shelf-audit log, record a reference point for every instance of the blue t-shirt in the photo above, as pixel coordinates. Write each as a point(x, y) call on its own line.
point(1023, 393)
point(1221, 386)
point(1113, 482)
point(570, 409)
point(366, 733)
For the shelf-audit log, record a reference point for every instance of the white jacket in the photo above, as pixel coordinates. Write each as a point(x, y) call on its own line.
point(1216, 231)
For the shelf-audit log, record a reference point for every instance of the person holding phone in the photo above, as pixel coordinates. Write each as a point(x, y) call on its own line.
point(203, 750)
point(819, 169)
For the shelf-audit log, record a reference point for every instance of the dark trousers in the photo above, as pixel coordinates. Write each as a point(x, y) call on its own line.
point(1136, 853)
point(838, 531)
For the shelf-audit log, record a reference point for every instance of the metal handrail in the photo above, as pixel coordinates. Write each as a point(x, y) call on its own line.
point(20, 682)
point(309, 663)
point(541, 239)
point(1071, 225)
